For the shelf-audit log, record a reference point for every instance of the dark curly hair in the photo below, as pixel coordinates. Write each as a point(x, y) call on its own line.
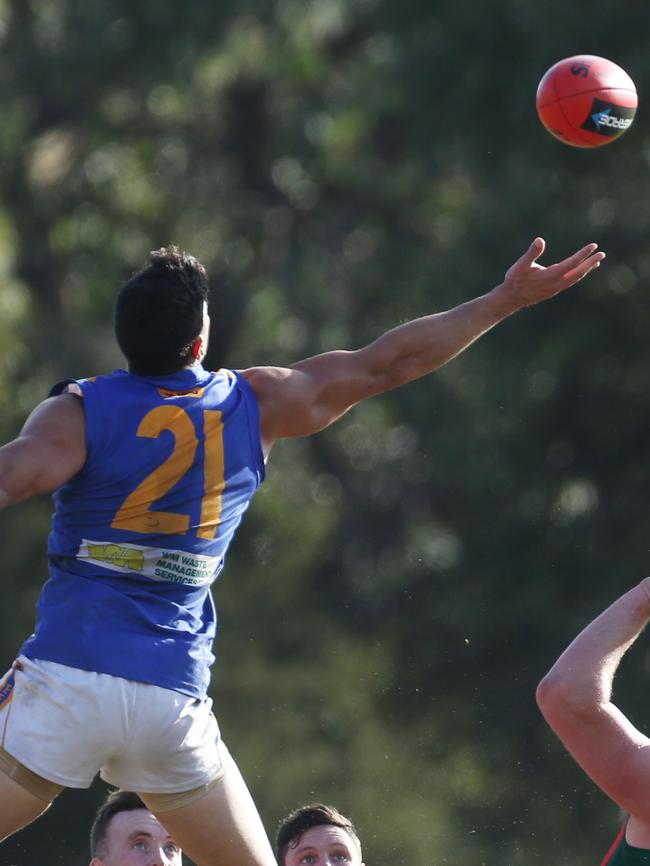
point(159, 312)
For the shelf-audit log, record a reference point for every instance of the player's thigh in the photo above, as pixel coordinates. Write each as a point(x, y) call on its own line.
point(222, 828)
point(18, 807)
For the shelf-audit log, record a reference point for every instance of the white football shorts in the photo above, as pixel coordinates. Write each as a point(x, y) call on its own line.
point(66, 725)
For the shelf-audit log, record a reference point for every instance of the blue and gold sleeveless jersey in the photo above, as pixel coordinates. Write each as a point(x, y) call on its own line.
point(622, 854)
point(140, 533)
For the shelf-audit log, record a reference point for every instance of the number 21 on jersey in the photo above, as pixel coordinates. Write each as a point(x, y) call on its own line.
point(135, 513)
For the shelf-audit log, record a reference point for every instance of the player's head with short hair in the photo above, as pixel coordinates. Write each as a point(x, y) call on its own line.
point(160, 313)
point(126, 833)
point(316, 828)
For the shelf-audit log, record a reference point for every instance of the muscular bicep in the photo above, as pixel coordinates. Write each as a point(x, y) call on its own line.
point(49, 450)
point(308, 396)
point(322, 388)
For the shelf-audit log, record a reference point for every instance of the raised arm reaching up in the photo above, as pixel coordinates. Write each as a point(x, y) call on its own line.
point(306, 397)
point(575, 698)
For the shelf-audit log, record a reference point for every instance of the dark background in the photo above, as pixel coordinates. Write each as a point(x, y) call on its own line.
point(405, 578)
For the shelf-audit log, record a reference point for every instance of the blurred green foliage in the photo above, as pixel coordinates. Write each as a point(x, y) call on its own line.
point(405, 578)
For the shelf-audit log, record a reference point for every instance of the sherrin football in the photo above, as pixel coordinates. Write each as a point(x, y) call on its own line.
point(586, 101)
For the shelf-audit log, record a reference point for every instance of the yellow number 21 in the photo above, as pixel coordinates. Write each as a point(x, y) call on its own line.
point(136, 515)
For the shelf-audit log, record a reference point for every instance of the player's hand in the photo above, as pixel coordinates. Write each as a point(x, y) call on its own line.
point(527, 282)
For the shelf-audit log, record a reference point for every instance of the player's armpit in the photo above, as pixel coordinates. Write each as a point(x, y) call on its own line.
point(49, 450)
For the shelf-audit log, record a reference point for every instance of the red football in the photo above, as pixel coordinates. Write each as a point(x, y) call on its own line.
point(586, 101)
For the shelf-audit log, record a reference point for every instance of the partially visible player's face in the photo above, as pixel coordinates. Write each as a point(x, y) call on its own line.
point(137, 838)
point(324, 846)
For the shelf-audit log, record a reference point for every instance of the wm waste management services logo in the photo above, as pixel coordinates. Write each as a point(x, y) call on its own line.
point(174, 566)
point(604, 118)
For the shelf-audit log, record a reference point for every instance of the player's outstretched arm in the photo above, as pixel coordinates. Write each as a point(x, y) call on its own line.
point(49, 450)
point(306, 397)
point(575, 698)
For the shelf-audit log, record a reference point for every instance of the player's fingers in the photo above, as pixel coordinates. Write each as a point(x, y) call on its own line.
point(578, 257)
point(573, 275)
point(568, 265)
point(534, 251)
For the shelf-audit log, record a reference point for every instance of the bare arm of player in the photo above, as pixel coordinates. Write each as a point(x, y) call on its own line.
point(49, 450)
point(575, 698)
point(304, 398)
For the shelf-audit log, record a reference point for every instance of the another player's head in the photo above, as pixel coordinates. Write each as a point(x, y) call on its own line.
point(126, 833)
point(318, 835)
point(161, 316)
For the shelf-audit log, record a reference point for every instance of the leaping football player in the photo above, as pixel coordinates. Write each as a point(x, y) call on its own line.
point(152, 469)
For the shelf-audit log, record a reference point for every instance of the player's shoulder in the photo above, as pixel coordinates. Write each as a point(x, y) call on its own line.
point(57, 416)
point(80, 385)
point(261, 376)
point(269, 384)
point(634, 839)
